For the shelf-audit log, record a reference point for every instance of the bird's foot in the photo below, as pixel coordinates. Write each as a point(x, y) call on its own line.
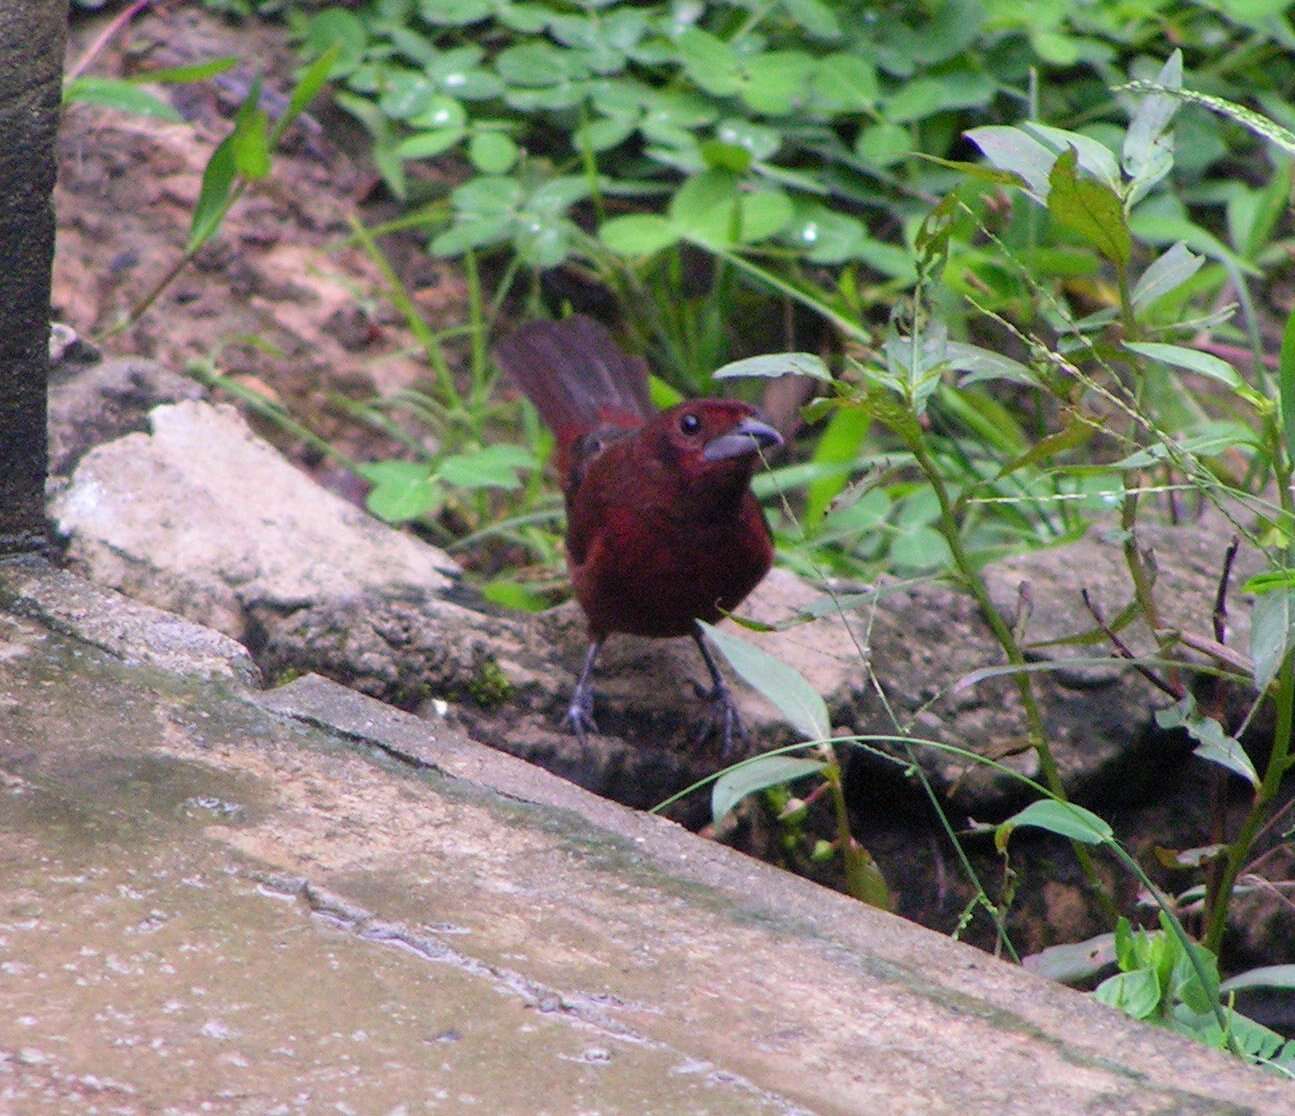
point(579, 718)
point(722, 719)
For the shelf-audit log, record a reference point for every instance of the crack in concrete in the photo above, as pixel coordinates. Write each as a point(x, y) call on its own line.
point(579, 1010)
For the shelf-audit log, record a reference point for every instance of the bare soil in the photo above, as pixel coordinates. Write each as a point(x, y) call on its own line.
point(280, 300)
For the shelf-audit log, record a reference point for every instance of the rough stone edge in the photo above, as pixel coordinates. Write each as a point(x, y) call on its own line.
point(790, 905)
point(125, 629)
point(931, 963)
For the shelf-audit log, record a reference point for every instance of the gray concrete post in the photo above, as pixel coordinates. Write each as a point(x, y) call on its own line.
point(32, 37)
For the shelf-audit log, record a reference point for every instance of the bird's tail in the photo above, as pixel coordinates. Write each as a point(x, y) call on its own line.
point(576, 375)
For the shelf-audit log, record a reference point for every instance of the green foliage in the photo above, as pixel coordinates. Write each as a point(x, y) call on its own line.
point(1176, 986)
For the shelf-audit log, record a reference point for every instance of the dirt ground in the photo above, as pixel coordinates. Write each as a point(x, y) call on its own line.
point(280, 301)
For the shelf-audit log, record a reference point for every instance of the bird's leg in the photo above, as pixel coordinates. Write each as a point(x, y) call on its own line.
point(580, 712)
point(723, 717)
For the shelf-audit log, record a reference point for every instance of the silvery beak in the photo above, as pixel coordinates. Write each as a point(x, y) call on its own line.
point(748, 436)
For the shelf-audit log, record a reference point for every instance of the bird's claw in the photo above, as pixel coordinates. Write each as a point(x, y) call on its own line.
point(722, 719)
point(579, 718)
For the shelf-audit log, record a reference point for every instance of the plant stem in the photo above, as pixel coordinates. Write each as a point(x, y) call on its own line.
point(1003, 633)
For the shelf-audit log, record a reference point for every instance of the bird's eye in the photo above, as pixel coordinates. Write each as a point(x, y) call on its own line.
point(689, 423)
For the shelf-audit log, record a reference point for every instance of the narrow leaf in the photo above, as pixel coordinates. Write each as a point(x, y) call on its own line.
point(1266, 976)
point(1271, 634)
point(1171, 270)
point(121, 95)
point(773, 365)
point(1194, 360)
point(780, 684)
point(213, 197)
point(1062, 818)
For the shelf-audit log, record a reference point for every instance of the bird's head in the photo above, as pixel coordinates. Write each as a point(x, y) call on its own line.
point(714, 438)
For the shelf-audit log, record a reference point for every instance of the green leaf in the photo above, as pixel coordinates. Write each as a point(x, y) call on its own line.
point(1062, 818)
point(1148, 144)
point(492, 467)
point(308, 85)
point(1089, 208)
point(778, 683)
point(402, 490)
point(709, 61)
point(492, 152)
point(844, 83)
point(1137, 994)
point(121, 95)
point(1272, 634)
point(777, 82)
point(638, 234)
point(513, 594)
point(1015, 151)
point(1214, 744)
point(1094, 156)
point(985, 364)
point(757, 775)
point(213, 196)
point(339, 36)
point(773, 365)
point(1170, 271)
point(184, 75)
point(252, 145)
point(424, 145)
point(1261, 126)
point(1194, 360)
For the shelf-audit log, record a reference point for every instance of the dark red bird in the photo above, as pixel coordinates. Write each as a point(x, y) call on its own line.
point(662, 527)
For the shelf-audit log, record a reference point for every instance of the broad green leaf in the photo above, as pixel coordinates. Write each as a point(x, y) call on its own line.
point(1170, 271)
point(883, 144)
point(492, 152)
point(1016, 151)
point(759, 140)
point(1094, 156)
point(341, 36)
point(1272, 634)
point(638, 234)
point(1194, 360)
point(709, 61)
point(778, 683)
point(1089, 208)
point(402, 490)
point(772, 365)
point(514, 594)
point(1137, 994)
point(124, 96)
point(985, 364)
point(424, 145)
point(815, 16)
point(441, 112)
point(777, 82)
point(1073, 962)
point(844, 83)
point(1062, 818)
point(492, 467)
point(757, 775)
